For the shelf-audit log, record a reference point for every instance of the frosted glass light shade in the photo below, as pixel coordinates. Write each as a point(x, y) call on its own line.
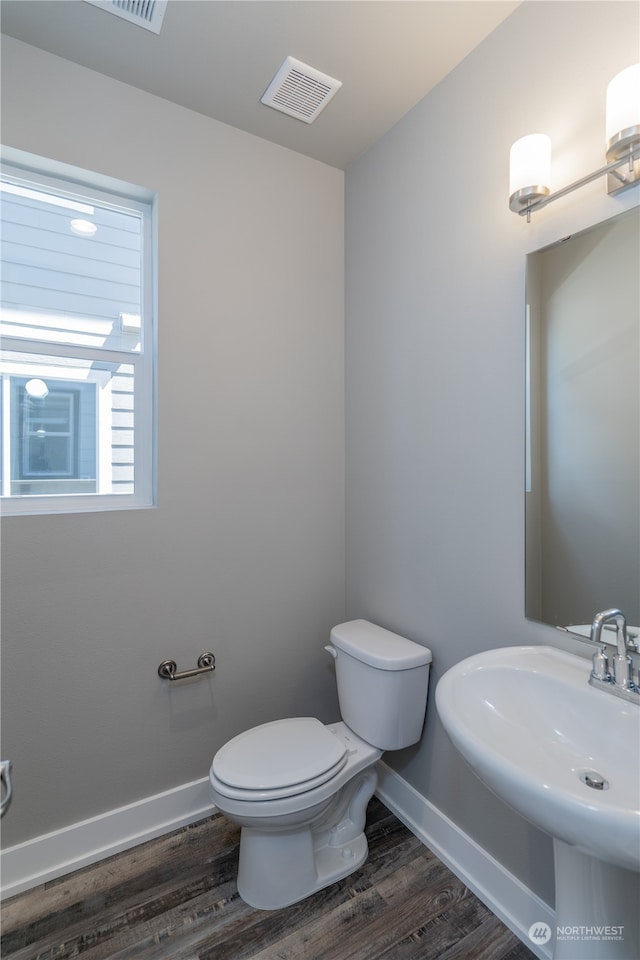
point(623, 107)
point(530, 164)
point(36, 389)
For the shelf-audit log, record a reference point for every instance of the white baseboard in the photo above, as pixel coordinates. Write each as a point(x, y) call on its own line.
point(53, 855)
point(504, 894)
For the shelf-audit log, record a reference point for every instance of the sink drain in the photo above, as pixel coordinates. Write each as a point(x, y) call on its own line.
point(594, 780)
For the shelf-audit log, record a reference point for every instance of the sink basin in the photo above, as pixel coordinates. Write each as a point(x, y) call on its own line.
point(533, 730)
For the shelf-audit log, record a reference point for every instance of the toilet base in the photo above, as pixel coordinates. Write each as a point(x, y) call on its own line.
point(277, 869)
point(297, 875)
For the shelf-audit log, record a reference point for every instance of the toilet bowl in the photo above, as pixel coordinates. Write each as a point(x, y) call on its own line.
point(299, 790)
point(297, 840)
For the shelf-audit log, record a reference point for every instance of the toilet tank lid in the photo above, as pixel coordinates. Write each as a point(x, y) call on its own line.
point(378, 647)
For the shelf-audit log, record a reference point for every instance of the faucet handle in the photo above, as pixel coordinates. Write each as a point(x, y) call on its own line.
point(600, 664)
point(622, 671)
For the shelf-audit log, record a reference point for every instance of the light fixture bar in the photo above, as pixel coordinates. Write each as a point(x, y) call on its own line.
point(529, 159)
point(617, 181)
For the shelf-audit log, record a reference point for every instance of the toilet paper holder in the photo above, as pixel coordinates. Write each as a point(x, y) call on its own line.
point(168, 669)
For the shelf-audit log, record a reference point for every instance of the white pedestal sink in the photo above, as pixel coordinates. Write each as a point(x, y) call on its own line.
point(533, 730)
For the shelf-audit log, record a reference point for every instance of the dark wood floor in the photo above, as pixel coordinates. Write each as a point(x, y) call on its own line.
point(175, 898)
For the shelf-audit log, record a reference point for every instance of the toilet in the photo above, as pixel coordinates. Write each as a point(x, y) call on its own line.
point(299, 789)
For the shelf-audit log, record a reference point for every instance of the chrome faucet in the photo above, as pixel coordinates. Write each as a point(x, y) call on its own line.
point(620, 681)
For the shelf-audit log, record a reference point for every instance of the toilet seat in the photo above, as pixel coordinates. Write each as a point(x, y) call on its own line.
point(279, 759)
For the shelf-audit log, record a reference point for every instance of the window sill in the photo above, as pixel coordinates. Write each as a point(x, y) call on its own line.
point(50, 506)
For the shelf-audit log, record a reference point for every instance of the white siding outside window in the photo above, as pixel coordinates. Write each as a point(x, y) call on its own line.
point(77, 365)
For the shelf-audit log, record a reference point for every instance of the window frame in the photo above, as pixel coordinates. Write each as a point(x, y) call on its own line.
point(80, 185)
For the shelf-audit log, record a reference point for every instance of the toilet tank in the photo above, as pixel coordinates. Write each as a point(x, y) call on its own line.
point(382, 683)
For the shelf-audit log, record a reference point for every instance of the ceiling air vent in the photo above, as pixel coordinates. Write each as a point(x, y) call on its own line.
point(300, 91)
point(146, 13)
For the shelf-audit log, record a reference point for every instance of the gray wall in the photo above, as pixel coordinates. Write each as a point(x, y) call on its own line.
point(435, 271)
point(244, 554)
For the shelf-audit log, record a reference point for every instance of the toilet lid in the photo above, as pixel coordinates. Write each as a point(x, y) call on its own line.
point(290, 755)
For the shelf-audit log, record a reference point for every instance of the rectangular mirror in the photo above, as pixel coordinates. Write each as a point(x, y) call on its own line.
point(583, 426)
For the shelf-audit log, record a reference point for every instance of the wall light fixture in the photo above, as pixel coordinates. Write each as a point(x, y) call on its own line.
point(530, 157)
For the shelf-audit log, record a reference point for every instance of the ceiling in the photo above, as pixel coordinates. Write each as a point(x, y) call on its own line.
point(218, 56)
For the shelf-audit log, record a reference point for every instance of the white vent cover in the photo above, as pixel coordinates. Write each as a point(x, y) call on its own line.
point(146, 13)
point(300, 90)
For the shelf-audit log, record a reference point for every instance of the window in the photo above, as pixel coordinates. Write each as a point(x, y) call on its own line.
point(76, 369)
point(49, 434)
